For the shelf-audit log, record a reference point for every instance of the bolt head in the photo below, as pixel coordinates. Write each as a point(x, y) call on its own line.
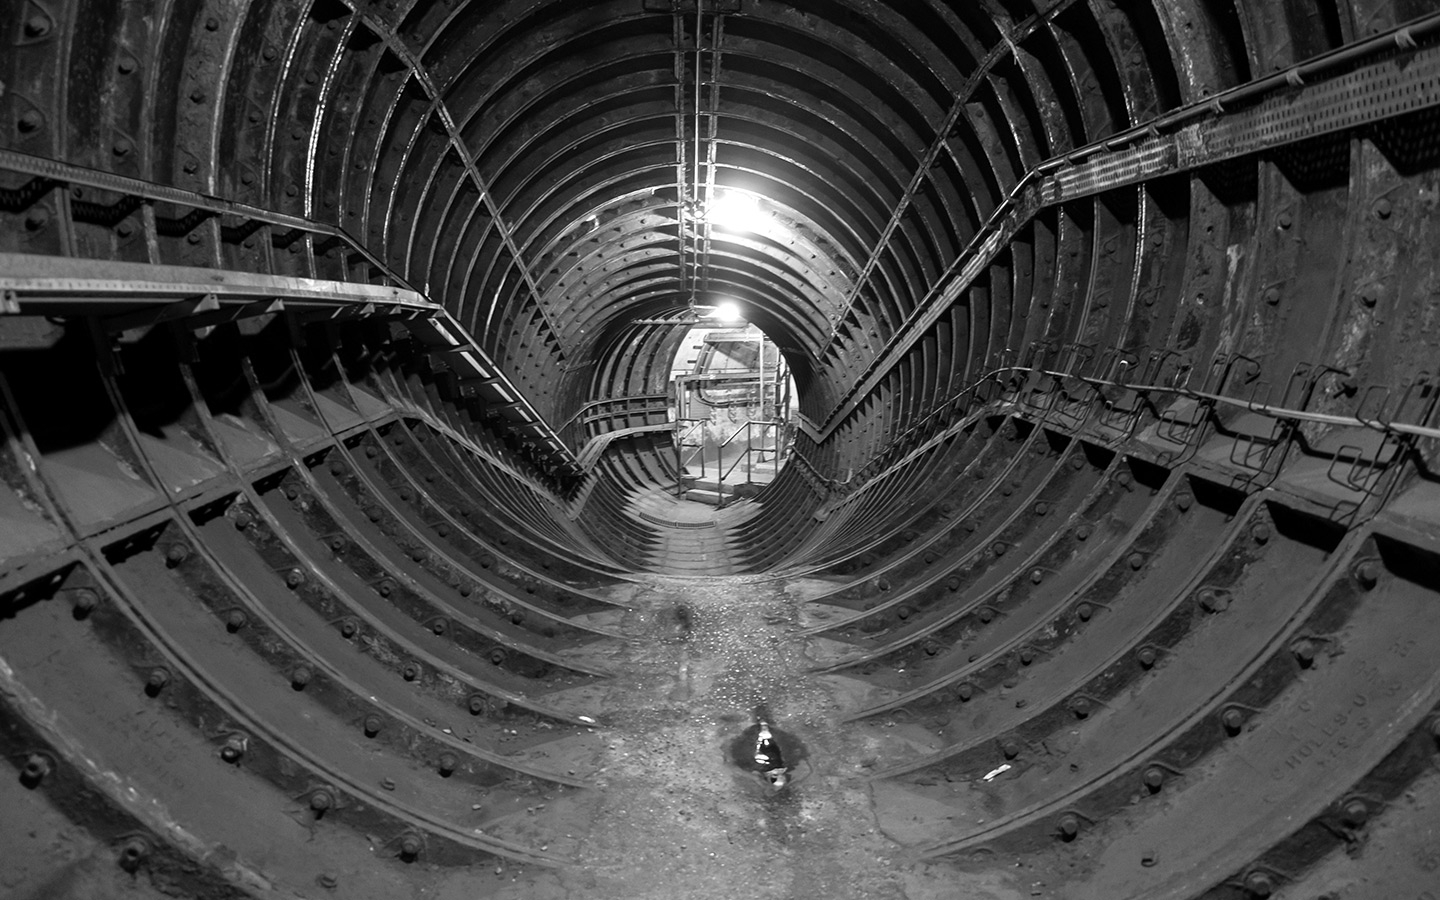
point(1136, 560)
point(1367, 573)
point(30, 121)
point(498, 656)
point(410, 846)
point(1184, 502)
point(37, 26)
point(410, 672)
point(1304, 651)
point(1154, 777)
point(373, 724)
point(1027, 656)
point(1146, 657)
point(85, 603)
point(133, 853)
point(438, 626)
point(156, 681)
point(1080, 707)
point(300, 676)
point(1069, 826)
point(177, 554)
point(329, 880)
point(1259, 884)
point(36, 768)
point(235, 620)
point(1233, 720)
point(1355, 813)
point(321, 801)
point(476, 704)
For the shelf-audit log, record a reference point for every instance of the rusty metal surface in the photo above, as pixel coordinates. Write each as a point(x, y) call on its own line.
point(334, 338)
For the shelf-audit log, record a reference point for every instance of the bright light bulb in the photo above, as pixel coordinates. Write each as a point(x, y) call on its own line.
point(727, 312)
point(735, 211)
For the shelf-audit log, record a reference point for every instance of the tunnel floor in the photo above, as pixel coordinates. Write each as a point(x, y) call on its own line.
point(676, 817)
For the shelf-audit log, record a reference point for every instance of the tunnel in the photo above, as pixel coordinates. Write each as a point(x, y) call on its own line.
point(345, 548)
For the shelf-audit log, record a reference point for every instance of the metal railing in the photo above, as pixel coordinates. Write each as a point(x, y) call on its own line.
point(685, 428)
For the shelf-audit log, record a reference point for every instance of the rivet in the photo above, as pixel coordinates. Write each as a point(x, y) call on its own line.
point(476, 704)
point(133, 853)
point(1382, 208)
point(37, 26)
point(30, 121)
point(235, 620)
point(1077, 463)
point(125, 66)
point(1367, 572)
point(1010, 748)
point(1084, 611)
point(1136, 560)
point(1083, 533)
point(300, 676)
point(1036, 576)
point(1154, 777)
point(438, 626)
point(952, 583)
point(410, 846)
point(290, 491)
point(337, 544)
point(904, 613)
point(1304, 651)
point(373, 724)
point(986, 615)
point(1069, 827)
point(1260, 533)
point(157, 679)
point(349, 628)
point(1183, 502)
point(321, 801)
point(1284, 221)
point(212, 24)
point(1122, 479)
point(328, 880)
point(125, 229)
point(1146, 657)
point(372, 452)
point(1271, 296)
point(1259, 884)
point(294, 578)
point(999, 548)
point(193, 238)
point(1080, 707)
point(1356, 813)
point(447, 763)
point(1041, 509)
point(965, 691)
point(85, 602)
point(411, 671)
point(197, 96)
point(1211, 601)
point(1027, 656)
point(498, 656)
point(1233, 720)
point(37, 219)
point(931, 648)
point(385, 588)
point(36, 769)
point(233, 749)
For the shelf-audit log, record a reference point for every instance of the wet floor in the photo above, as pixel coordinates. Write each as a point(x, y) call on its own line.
point(676, 817)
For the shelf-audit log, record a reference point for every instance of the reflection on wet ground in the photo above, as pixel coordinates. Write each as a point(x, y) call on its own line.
point(679, 814)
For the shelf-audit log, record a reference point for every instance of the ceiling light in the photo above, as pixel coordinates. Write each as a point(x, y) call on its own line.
point(735, 211)
point(726, 312)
